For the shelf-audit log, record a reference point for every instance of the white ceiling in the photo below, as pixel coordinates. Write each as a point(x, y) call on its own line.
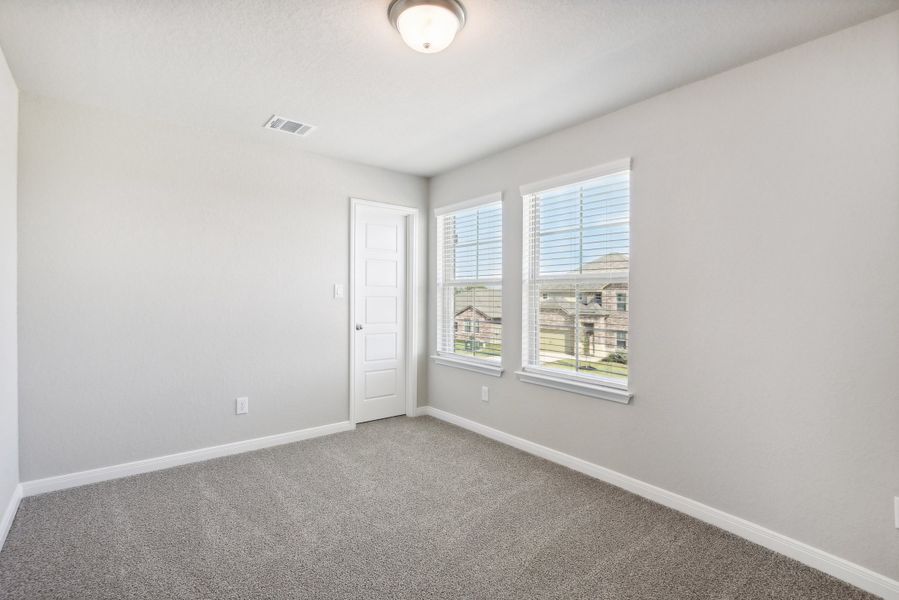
point(520, 68)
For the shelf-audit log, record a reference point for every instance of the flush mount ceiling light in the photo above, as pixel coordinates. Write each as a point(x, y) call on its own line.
point(427, 25)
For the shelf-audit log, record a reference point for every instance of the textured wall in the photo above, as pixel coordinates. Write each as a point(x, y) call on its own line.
point(165, 271)
point(758, 197)
point(9, 401)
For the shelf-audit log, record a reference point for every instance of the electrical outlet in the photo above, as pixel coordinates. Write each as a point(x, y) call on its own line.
point(896, 511)
point(485, 393)
point(242, 405)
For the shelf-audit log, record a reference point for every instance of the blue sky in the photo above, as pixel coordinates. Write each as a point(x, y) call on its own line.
point(601, 206)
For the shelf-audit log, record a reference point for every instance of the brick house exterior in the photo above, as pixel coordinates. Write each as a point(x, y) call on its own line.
point(600, 310)
point(475, 324)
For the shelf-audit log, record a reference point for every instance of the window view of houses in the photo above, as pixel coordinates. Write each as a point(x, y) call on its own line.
point(478, 322)
point(576, 288)
point(472, 280)
point(583, 327)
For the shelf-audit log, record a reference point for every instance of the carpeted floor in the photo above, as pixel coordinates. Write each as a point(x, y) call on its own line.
point(401, 508)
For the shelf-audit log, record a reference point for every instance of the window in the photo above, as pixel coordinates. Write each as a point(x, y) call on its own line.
point(577, 248)
point(469, 281)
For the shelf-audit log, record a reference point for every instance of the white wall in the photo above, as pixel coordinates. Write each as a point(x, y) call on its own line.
point(765, 294)
point(9, 401)
point(165, 271)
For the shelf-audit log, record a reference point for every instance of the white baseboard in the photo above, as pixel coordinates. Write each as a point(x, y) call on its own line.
point(10, 513)
point(62, 482)
point(842, 569)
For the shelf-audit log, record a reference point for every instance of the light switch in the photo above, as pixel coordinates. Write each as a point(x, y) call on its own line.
point(338, 290)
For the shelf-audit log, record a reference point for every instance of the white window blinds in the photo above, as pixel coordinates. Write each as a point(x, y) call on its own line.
point(469, 278)
point(576, 296)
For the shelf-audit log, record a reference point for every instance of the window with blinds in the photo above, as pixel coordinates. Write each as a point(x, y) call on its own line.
point(576, 296)
point(469, 280)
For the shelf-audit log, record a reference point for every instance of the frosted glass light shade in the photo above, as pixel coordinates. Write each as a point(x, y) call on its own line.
point(427, 26)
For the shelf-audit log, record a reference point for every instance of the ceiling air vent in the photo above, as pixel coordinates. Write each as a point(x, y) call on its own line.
point(288, 126)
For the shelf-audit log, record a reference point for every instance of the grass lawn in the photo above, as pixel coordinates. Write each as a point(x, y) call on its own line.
point(592, 367)
point(603, 369)
point(490, 350)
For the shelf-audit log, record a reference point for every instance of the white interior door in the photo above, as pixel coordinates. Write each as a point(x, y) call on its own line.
point(379, 298)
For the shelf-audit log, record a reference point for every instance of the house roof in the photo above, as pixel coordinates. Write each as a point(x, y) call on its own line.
point(487, 301)
point(610, 270)
point(614, 262)
point(483, 316)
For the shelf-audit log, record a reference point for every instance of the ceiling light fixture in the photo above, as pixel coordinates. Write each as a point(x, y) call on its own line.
point(427, 25)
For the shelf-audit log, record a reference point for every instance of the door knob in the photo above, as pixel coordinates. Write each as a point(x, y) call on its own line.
point(358, 327)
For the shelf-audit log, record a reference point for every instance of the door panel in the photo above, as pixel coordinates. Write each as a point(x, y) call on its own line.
point(380, 273)
point(380, 384)
point(381, 237)
point(380, 309)
point(380, 346)
point(379, 298)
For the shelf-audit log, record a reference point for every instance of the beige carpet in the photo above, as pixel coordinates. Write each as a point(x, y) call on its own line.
point(401, 508)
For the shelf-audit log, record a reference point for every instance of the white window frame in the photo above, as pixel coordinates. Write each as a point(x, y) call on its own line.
point(482, 365)
point(578, 383)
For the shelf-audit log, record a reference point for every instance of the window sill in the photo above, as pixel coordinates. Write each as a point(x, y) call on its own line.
point(585, 388)
point(478, 366)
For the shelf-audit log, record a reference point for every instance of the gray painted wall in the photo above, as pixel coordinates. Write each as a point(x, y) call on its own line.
point(765, 279)
point(165, 271)
point(9, 400)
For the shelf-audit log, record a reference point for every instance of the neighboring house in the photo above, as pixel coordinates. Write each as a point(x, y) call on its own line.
point(478, 318)
point(594, 316)
point(601, 313)
point(473, 323)
point(600, 310)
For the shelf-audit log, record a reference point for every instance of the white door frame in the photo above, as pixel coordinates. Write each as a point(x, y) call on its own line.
point(412, 329)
